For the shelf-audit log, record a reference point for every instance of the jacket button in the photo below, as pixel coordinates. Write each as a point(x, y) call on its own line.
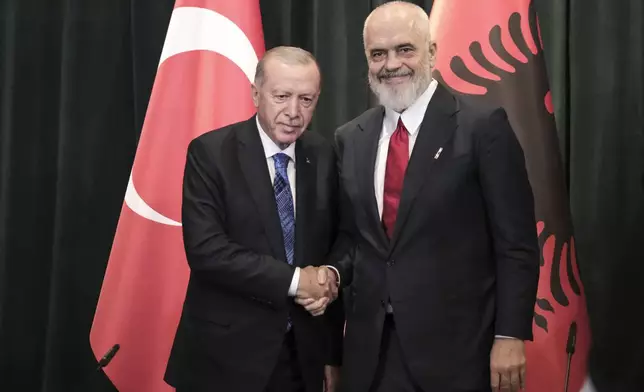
point(391, 262)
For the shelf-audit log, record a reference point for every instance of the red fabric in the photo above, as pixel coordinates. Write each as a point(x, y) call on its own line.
point(494, 54)
point(397, 159)
point(203, 84)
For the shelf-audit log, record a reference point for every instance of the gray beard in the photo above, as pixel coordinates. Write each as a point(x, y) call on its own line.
point(399, 97)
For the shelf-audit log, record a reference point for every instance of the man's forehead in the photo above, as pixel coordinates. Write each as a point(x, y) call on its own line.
point(390, 37)
point(300, 80)
point(283, 70)
point(299, 85)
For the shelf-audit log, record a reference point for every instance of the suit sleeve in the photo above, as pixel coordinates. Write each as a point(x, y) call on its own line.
point(343, 252)
point(335, 314)
point(510, 207)
point(335, 319)
point(211, 254)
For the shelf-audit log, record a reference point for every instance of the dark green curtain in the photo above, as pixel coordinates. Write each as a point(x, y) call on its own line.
point(595, 55)
point(75, 78)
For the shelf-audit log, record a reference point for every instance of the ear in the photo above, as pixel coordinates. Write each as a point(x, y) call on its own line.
point(432, 53)
point(254, 94)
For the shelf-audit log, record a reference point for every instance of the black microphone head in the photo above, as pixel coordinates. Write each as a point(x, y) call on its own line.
point(107, 358)
point(572, 338)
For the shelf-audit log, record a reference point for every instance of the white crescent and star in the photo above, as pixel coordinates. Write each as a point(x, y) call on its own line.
point(190, 29)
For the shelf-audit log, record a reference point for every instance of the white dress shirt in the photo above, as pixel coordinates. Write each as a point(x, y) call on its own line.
point(270, 149)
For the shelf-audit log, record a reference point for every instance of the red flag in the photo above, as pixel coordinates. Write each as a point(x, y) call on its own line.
point(494, 52)
point(202, 83)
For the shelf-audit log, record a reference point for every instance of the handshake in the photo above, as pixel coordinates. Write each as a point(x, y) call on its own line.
point(316, 289)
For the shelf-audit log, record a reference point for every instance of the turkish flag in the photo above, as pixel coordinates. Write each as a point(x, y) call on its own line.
point(494, 52)
point(203, 82)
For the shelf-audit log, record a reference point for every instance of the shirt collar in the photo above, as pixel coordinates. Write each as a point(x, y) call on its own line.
point(413, 116)
point(270, 148)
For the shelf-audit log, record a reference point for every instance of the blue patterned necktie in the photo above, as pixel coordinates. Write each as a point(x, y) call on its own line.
point(284, 200)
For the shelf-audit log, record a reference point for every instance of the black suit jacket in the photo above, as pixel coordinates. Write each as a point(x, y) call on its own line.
point(235, 313)
point(463, 262)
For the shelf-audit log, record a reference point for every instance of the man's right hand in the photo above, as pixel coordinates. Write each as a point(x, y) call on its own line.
point(317, 288)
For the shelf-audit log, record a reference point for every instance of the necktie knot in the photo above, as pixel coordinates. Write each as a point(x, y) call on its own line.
point(401, 127)
point(281, 161)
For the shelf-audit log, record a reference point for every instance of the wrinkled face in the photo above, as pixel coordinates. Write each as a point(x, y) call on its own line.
point(286, 100)
point(400, 59)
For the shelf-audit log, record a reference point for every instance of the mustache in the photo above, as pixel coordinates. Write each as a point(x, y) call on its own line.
point(385, 74)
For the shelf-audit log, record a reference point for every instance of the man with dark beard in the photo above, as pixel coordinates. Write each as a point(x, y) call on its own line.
point(444, 261)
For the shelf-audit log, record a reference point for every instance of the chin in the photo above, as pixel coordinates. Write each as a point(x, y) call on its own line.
point(288, 138)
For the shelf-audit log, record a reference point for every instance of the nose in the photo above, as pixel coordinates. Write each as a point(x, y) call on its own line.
point(292, 109)
point(393, 62)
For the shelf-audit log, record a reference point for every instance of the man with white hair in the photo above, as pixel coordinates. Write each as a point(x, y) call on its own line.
point(258, 213)
point(444, 262)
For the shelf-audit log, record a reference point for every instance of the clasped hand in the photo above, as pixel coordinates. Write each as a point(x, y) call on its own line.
point(317, 288)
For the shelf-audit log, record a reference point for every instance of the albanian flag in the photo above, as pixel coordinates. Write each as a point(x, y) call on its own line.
point(494, 52)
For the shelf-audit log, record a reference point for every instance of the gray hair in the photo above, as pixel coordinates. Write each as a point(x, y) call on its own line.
point(286, 55)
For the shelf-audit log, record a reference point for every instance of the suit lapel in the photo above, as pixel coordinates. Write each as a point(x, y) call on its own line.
point(305, 180)
point(253, 163)
point(366, 148)
point(437, 127)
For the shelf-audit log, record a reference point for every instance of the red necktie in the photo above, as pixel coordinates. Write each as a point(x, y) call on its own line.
point(397, 158)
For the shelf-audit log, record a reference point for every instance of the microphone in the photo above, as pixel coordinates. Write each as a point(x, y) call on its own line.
point(107, 358)
point(570, 349)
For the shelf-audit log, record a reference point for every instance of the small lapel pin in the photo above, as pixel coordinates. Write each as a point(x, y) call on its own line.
point(438, 153)
point(307, 160)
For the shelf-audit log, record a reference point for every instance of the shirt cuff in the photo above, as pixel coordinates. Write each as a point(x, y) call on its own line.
point(292, 291)
point(337, 273)
point(503, 337)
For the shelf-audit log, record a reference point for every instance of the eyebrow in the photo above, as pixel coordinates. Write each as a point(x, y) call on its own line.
point(285, 92)
point(399, 46)
point(405, 45)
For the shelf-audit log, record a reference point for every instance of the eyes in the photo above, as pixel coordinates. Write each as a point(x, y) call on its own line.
point(380, 54)
point(305, 100)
